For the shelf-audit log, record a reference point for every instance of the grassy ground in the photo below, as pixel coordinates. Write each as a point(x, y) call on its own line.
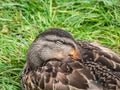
point(22, 20)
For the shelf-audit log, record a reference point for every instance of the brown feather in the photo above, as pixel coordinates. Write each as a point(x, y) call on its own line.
point(103, 63)
point(55, 61)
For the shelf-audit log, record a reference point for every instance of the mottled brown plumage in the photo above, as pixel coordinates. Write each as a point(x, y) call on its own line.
point(104, 64)
point(55, 61)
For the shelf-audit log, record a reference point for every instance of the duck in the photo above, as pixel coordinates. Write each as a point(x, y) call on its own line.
point(57, 61)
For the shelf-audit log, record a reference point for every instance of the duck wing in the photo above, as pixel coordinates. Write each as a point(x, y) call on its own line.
point(103, 62)
point(57, 75)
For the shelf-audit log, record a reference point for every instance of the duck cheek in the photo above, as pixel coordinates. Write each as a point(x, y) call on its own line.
point(60, 56)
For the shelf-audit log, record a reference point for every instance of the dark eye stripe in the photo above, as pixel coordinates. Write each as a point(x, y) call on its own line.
point(60, 41)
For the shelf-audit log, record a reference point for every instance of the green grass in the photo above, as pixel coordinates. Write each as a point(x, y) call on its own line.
point(22, 20)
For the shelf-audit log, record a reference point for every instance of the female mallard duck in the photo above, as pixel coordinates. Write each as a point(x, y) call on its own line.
point(55, 61)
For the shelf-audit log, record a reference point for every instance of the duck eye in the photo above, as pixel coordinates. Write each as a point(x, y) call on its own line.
point(58, 42)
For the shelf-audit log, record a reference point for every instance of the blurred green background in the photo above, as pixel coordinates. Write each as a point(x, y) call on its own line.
point(22, 20)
